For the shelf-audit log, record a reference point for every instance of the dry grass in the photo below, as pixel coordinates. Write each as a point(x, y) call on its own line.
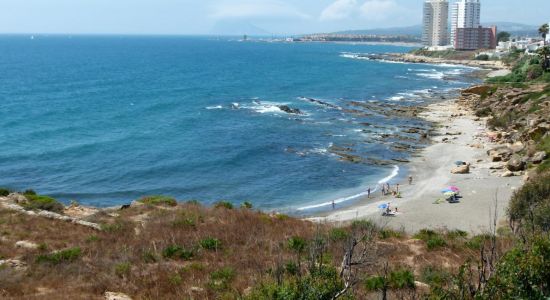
point(127, 256)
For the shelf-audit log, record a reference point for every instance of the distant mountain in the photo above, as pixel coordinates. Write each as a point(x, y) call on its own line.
point(416, 30)
point(238, 28)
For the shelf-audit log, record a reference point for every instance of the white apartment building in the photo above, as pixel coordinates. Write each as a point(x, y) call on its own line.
point(435, 23)
point(464, 14)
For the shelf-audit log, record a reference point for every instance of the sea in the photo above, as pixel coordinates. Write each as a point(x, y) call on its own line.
point(104, 120)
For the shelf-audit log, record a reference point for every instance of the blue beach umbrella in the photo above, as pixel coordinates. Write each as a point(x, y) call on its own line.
point(447, 191)
point(383, 206)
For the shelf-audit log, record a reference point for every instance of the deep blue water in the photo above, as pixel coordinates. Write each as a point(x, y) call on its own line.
point(104, 120)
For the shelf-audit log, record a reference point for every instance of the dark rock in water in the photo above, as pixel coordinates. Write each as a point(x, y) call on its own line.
point(290, 110)
point(341, 149)
point(321, 103)
point(515, 164)
point(401, 160)
point(348, 157)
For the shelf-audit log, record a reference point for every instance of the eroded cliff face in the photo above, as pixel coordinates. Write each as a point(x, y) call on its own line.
point(518, 117)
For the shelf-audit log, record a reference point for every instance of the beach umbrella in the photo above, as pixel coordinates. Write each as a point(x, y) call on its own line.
point(459, 162)
point(454, 188)
point(447, 191)
point(383, 206)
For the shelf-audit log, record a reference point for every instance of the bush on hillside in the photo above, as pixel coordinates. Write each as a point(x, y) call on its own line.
point(158, 200)
point(530, 206)
point(4, 192)
point(40, 202)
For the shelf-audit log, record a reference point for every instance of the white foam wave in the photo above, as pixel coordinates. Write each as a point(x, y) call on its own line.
point(396, 98)
point(394, 173)
point(432, 75)
point(214, 107)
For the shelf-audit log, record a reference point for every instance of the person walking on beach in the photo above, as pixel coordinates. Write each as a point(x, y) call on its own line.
point(397, 188)
point(410, 180)
point(368, 193)
point(333, 205)
point(383, 189)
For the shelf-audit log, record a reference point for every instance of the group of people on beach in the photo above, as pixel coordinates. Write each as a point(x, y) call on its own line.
point(386, 190)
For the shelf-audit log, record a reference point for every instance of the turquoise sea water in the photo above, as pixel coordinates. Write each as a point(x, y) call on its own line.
point(104, 120)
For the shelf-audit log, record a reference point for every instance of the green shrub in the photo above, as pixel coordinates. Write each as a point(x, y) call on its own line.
point(297, 244)
point(530, 205)
point(43, 203)
point(158, 200)
point(534, 72)
point(67, 255)
point(92, 238)
point(388, 233)
point(223, 204)
point(338, 234)
point(323, 284)
point(457, 234)
point(435, 276)
point(246, 205)
point(433, 239)
point(4, 192)
point(362, 225)
point(523, 272)
point(29, 192)
point(149, 257)
point(221, 279)
point(477, 241)
point(210, 244)
point(484, 112)
point(291, 268)
point(401, 279)
point(175, 279)
point(482, 57)
point(122, 269)
point(175, 251)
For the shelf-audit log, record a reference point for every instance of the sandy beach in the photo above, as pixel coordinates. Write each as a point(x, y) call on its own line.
point(461, 137)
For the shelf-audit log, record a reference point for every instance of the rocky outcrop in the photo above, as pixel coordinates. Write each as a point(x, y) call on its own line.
point(538, 157)
point(7, 203)
point(14, 264)
point(516, 163)
point(477, 90)
point(290, 110)
point(26, 245)
point(116, 296)
point(501, 153)
point(463, 169)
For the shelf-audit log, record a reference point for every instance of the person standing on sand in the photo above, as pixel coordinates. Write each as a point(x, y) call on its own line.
point(397, 188)
point(333, 205)
point(368, 193)
point(410, 180)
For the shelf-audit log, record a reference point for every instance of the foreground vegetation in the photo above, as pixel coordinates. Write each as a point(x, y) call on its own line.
point(155, 250)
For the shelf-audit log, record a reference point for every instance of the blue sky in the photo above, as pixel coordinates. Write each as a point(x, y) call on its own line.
point(217, 16)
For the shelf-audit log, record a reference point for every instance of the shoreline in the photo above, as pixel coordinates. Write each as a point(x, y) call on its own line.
point(460, 136)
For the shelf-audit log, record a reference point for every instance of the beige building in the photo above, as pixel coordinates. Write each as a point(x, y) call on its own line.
point(435, 23)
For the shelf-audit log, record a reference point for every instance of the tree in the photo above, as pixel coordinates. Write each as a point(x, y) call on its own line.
point(503, 36)
point(543, 31)
point(544, 52)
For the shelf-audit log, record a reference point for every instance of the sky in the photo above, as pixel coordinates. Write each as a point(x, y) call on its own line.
point(280, 17)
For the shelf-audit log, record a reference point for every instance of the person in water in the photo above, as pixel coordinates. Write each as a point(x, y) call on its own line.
point(368, 192)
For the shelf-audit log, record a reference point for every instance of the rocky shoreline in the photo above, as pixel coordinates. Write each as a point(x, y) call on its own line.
point(412, 58)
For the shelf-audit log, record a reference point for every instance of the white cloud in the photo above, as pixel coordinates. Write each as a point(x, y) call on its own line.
point(379, 9)
point(249, 9)
point(338, 10)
